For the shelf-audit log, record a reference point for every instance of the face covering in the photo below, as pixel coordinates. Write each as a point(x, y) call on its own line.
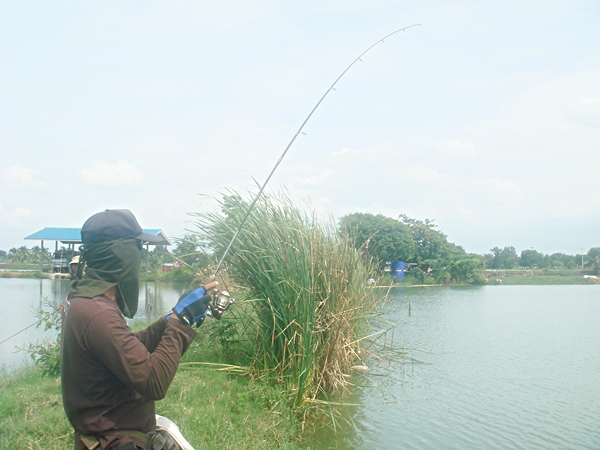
point(108, 264)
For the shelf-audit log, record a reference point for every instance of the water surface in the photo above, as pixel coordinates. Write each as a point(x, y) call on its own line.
point(491, 367)
point(494, 367)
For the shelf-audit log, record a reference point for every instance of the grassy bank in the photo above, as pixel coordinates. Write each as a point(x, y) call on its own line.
point(539, 277)
point(512, 277)
point(213, 409)
point(507, 277)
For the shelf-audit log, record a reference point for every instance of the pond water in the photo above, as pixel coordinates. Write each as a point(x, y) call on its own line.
point(19, 297)
point(492, 367)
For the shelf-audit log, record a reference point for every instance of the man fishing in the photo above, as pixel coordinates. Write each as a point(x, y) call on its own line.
point(111, 376)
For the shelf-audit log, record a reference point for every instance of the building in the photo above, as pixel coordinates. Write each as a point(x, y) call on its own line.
point(70, 238)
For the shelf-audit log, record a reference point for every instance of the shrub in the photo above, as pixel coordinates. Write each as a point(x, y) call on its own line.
point(306, 287)
point(46, 353)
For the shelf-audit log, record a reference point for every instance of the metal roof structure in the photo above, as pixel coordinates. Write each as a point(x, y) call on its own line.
point(73, 235)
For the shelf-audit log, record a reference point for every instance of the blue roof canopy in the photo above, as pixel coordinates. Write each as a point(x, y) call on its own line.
point(73, 235)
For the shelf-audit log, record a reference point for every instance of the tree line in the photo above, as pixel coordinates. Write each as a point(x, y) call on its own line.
point(415, 241)
point(507, 258)
point(383, 239)
point(25, 255)
point(186, 250)
point(386, 239)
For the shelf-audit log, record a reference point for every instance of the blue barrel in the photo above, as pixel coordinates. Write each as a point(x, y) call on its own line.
point(397, 269)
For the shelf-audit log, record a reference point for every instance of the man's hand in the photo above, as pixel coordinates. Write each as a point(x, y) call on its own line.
point(191, 307)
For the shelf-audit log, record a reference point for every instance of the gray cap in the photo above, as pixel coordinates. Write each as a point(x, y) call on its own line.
point(114, 224)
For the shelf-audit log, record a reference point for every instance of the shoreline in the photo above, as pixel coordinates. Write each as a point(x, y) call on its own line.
point(493, 277)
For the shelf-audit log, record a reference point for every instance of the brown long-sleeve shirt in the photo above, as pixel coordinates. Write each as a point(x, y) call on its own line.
point(111, 376)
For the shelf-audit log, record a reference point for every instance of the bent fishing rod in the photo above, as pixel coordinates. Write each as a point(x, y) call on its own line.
point(332, 87)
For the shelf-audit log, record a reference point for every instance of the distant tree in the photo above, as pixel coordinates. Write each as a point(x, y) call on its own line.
point(186, 248)
point(383, 238)
point(432, 244)
point(505, 258)
point(593, 259)
point(468, 269)
point(19, 255)
point(546, 263)
point(3, 254)
point(386, 239)
point(493, 259)
point(189, 250)
point(39, 255)
point(488, 260)
point(560, 260)
point(157, 256)
point(531, 258)
point(233, 207)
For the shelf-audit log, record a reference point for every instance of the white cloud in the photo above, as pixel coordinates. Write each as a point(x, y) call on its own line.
point(418, 173)
point(511, 127)
point(315, 180)
point(457, 149)
point(322, 206)
point(21, 212)
point(8, 216)
point(19, 176)
point(119, 174)
point(501, 190)
point(341, 152)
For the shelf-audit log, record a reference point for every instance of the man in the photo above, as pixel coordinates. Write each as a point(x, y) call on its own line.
point(111, 376)
point(73, 266)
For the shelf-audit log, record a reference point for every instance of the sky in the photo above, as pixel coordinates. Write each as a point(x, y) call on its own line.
point(485, 117)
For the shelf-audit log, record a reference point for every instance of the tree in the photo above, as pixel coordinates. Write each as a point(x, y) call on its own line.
point(157, 256)
point(531, 258)
point(505, 258)
point(383, 238)
point(469, 269)
point(432, 244)
point(189, 250)
point(19, 255)
point(413, 240)
point(560, 260)
point(593, 259)
point(39, 255)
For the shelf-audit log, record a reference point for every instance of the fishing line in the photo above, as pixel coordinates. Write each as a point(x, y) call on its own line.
point(19, 332)
point(332, 87)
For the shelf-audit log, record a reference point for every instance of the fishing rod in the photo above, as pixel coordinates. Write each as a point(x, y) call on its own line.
point(332, 87)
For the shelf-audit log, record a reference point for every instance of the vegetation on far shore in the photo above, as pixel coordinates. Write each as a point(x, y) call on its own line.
point(430, 258)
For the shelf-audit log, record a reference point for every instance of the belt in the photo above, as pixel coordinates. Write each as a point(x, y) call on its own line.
point(91, 442)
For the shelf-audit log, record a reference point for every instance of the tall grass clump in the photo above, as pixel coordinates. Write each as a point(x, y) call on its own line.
point(306, 288)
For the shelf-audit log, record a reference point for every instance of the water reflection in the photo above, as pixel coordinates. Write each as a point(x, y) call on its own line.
point(19, 297)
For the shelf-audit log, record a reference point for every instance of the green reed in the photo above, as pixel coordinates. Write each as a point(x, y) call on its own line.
point(307, 288)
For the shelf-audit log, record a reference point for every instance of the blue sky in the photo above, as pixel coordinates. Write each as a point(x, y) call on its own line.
point(485, 118)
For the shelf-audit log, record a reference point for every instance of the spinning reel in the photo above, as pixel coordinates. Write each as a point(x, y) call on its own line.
point(221, 301)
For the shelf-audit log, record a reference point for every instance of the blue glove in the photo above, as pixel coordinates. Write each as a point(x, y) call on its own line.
point(191, 307)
